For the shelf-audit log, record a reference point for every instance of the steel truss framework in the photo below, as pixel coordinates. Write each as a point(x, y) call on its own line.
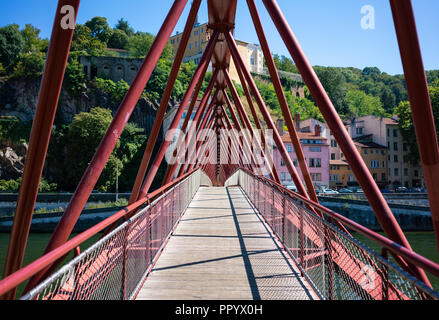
point(221, 138)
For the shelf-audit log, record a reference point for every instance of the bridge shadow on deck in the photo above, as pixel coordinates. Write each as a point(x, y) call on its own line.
point(223, 251)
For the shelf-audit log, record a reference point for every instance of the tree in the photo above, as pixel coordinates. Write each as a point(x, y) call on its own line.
point(30, 65)
point(124, 26)
point(140, 43)
point(84, 136)
point(99, 28)
point(11, 45)
point(84, 41)
point(32, 40)
point(360, 104)
point(118, 40)
point(335, 85)
point(406, 126)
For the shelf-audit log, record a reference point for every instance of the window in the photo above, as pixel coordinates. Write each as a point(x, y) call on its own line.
point(396, 172)
point(282, 163)
point(311, 163)
point(395, 158)
point(366, 151)
point(383, 152)
point(318, 163)
point(375, 177)
point(196, 32)
point(371, 151)
point(395, 146)
point(190, 45)
point(196, 44)
point(289, 148)
point(282, 176)
point(295, 162)
point(416, 173)
point(384, 164)
point(315, 149)
point(332, 156)
point(383, 177)
point(173, 41)
point(395, 133)
point(252, 61)
point(388, 132)
point(316, 176)
point(202, 30)
point(333, 143)
point(351, 178)
point(359, 130)
point(404, 147)
point(288, 177)
point(406, 172)
point(374, 164)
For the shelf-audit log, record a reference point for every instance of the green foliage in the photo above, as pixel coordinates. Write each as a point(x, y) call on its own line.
point(118, 40)
point(84, 41)
point(10, 185)
point(2, 70)
point(14, 130)
point(406, 126)
point(32, 40)
point(140, 43)
point(75, 79)
point(11, 45)
point(360, 104)
point(14, 186)
point(99, 29)
point(306, 108)
point(84, 136)
point(124, 26)
point(116, 90)
point(30, 65)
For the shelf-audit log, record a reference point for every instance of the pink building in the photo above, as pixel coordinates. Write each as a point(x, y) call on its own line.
point(316, 150)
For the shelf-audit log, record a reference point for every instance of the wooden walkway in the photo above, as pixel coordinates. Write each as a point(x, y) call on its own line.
point(222, 250)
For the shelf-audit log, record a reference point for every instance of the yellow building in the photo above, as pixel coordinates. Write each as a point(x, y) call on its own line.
point(339, 174)
point(375, 157)
point(198, 40)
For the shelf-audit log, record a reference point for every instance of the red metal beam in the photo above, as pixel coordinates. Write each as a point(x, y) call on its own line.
point(239, 63)
point(97, 164)
point(420, 102)
point(282, 99)
point(48, 97)
point(165, 100)
point(247, 125)
point(163, 148)
point(365, 179)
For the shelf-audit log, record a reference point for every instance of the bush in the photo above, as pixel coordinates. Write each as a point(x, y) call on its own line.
point(30, 65)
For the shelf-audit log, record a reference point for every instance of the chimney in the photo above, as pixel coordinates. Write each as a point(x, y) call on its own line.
point(318, 130)
point(280, 126)
point(297, 121)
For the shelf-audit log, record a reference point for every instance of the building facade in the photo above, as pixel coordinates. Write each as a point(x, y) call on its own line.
point(316, 152)
point(198, 40)
point(385, 132)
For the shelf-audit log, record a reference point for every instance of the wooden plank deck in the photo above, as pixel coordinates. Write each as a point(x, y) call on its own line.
point(222, 250)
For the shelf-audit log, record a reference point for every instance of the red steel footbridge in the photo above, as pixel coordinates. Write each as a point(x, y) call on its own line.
point(222, 226)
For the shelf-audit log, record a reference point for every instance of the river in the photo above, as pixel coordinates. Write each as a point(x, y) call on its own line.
point(422, 242)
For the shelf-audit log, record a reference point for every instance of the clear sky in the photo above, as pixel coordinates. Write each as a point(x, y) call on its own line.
point(329, 30)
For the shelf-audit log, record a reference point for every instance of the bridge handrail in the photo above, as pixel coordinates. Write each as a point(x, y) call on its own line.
point(320, 247)
point(15, 279)
point(411, 256)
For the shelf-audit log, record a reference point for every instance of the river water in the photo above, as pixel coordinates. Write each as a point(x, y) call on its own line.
point(423, 243)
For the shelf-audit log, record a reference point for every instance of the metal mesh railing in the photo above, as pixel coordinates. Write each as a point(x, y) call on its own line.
point(337, 266)
point(114, 268)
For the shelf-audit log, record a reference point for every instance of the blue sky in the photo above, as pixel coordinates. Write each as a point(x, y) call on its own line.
point(329, 31)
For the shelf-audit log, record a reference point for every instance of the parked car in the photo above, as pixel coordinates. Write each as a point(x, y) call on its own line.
point(414, 190)
point(386, 191)
point(401, 190)
point(344, 190)
point(292, 188)
point(329, 191)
